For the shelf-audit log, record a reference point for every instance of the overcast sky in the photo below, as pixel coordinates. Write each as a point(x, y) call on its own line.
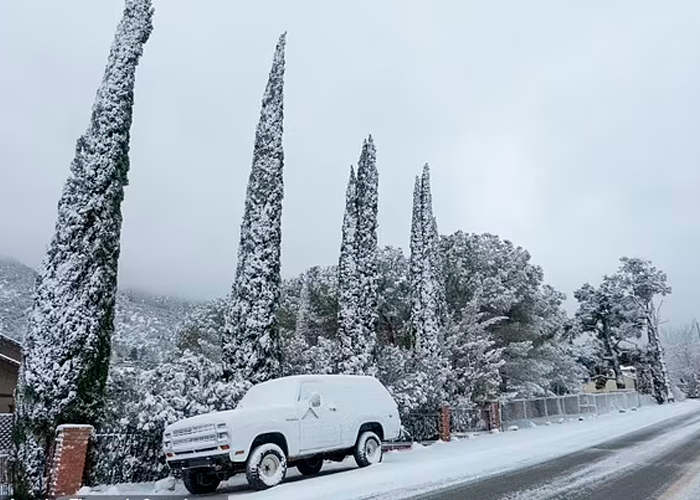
point(570, 128)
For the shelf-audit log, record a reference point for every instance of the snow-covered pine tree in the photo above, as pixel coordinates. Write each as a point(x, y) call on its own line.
point(394, 292)
point(67, 347)
point(358, 273)
point(295, 359)
point(475, 361)
point(251, 345)
point(643, 283)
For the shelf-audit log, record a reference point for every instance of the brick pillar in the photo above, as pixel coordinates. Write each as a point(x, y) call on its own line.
point(67, 463)
point(491, 413)
point(444, 423)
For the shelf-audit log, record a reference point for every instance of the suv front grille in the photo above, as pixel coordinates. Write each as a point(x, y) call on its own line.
point(191, 430)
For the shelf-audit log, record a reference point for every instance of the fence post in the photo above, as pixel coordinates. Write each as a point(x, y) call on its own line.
point(444, 423)
point(67, 464)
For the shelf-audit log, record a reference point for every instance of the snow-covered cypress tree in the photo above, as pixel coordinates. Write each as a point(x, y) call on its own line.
point(426, 285)
point(348, 279)
point(67, 347)
point(416, 263)
point(358, 276)
point(367, 251)
point(251, 345)
point(426, 288)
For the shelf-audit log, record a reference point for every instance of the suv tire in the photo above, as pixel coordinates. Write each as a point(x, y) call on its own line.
point(368, 449)
point(310, 466)
point(199, 481)
point(266, 467)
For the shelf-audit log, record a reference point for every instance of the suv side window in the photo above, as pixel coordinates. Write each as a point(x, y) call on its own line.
point(308, 388)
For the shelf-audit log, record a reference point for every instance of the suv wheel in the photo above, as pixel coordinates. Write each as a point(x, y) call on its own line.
point(200, 481)
point(266, 467)
point(310, 466)
point(368, 449)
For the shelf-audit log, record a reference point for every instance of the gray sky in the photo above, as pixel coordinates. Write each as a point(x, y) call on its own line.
point(570, 128)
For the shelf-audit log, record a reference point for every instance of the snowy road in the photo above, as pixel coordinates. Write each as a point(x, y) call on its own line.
point(659, 462)
point(642, 454)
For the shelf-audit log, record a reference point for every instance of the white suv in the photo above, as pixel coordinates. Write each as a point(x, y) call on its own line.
point(292, 421)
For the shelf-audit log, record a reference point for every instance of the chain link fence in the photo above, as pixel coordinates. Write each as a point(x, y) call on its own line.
point(6, 420)
point(419, 426)
point(117, 458)
point(466, 420)
point(425, 426)
point(555, 408)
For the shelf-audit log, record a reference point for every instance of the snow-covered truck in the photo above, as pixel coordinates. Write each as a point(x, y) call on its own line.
point(297, 421)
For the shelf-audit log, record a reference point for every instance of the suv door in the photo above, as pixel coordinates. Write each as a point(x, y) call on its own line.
point(318, 417)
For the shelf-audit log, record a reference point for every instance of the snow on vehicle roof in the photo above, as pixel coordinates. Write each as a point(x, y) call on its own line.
point(285, 389)
point(318, 377)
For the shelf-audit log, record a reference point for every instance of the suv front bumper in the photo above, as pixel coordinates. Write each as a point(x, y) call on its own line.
point(215, 462)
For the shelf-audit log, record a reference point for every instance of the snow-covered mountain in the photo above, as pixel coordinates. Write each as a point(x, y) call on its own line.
point(16, 286)
point(145, 323)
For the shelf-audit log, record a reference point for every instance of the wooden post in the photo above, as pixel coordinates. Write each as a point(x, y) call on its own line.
point(67, 463)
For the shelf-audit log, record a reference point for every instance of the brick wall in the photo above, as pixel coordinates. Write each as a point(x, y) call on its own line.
point(68, 459)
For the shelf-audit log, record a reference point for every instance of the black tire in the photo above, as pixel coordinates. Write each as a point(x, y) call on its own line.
point(310, 466)
point(368, 449)
point(266, 467)
point(198, 481)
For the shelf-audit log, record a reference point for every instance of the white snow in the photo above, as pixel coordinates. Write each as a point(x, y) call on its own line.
point(425, 468)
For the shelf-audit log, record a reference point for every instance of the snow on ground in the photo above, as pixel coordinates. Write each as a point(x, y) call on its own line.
point(624, 461)
point(403, 474)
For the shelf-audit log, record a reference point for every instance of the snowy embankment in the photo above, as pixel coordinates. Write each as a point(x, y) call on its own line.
point(426, 468)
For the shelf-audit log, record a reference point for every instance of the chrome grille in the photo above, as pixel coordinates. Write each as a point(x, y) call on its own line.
point(194, 429)
point(204, 438)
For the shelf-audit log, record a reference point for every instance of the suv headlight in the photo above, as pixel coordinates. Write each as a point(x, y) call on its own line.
point(168, 445)
point(222, 436)
point(220, 427)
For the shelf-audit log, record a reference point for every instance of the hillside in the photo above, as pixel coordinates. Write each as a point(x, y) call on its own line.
point(145, 323)
point(16, 286)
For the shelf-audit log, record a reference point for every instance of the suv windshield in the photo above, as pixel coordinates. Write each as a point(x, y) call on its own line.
point(273, 393)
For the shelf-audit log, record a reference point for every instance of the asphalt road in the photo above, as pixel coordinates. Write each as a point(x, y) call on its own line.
point(653, 463)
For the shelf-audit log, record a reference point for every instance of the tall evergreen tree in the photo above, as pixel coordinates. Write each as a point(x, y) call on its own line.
point(251, 345)
point(367, 251)
point(427, 296)
point(643, 283)
point(358, 276)
point(415, 261)
point(67, 347)
point(348, 284)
